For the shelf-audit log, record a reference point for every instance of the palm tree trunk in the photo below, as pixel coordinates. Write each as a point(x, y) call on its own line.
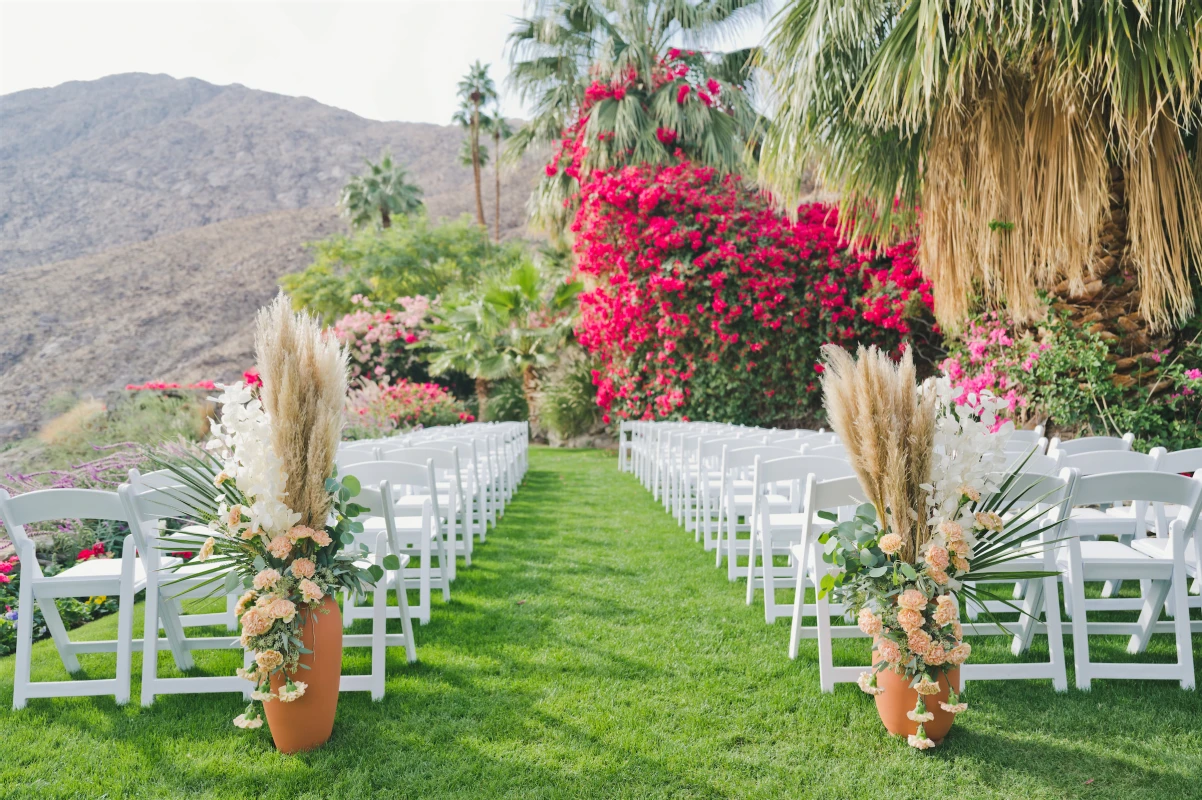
point(481, 398)
point(530, 390)
point(496, 137)
point(476, 165)
point(385, 218)
point(1108, 305)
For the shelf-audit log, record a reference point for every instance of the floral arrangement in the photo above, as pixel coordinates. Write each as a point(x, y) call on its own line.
point(279, 522)
point(377, 409)
point(932, 469)
point(702, 296)
point(379, 340)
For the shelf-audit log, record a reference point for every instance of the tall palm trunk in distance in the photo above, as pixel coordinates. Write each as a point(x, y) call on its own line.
point(481, 397)
point(530, 390)
point(476, 162)
point(496, 138)
point(385, 218)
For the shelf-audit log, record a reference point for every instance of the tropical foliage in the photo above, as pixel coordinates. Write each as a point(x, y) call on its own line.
point(608, 85)
point(1011, 125)
point(380, 194)
point(413, 257)
point(707, 304)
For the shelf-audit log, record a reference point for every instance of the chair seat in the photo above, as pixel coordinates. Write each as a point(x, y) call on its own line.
point(1104, 560)
point(101, 568)
point(1159, 548)
point(402, 523)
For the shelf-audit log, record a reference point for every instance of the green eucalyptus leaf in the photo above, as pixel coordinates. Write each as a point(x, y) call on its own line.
point(392, 561)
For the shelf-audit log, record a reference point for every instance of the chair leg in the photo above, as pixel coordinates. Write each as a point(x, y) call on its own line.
point(1153, 601)
point(24, 643)
point(402, 599)
point(798, 607)
point(150, 643)
point(1055, 631)
point(125, 621)
point(54, 623)
point(1181, 626)
point(750, 595)
point(1076, 581)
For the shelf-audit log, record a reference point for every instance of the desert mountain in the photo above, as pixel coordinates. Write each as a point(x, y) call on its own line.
point(143, 219)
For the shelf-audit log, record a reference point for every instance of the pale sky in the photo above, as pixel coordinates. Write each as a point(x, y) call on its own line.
point(387, 60)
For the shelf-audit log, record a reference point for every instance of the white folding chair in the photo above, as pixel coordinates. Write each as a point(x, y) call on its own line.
point(96, 576)
point(774, 533)
point(1091, 444)
point(831, 495)
point(167, 583)
point(735, 500)
point(417, 536)
point(448, 495)
point(1161, 574)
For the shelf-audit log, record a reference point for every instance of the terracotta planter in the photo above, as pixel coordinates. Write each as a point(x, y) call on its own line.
point(898, 698)
point(307, 722)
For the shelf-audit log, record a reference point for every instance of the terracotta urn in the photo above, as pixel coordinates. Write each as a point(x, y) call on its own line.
point(898, 698)
point(307, 722)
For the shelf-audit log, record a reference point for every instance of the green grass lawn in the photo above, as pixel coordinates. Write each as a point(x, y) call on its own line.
point(593, 650)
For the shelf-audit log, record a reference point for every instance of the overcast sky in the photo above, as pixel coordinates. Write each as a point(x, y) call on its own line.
point(389, 60)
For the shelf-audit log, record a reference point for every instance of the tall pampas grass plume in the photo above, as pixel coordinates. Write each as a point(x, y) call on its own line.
point(887, 427)
point(304, 373)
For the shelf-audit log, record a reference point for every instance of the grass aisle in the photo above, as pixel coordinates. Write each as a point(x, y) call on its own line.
point(592, 650)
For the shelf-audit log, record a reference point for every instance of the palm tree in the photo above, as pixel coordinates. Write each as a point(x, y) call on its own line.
point(1051, 145)
point(508, 328)
point(383, 192)
point(498, 127)
point(476, 90)
point(563, 46)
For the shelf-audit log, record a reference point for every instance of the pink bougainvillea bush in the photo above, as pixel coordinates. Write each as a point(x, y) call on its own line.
point(378, 339)
point(707, 304)
point(378, 409)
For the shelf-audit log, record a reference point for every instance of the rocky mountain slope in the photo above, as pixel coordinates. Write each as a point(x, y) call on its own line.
point(143, 219)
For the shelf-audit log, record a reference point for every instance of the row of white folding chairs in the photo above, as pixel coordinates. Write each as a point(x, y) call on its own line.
point(144, 504)
point(1078, 557)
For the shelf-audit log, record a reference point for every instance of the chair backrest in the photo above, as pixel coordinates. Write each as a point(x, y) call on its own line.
point(831, 494)
point(799, 468)
point(829, 450)
point(1041, 491)
point(1179, 461)
point(1146, 486)
point(1100, 461)
point(418, 475)
point(1036, 463)
point(46, 505)
point(1030, 436)
point(1025, 446)
point(1091, 444)
point(737, 457)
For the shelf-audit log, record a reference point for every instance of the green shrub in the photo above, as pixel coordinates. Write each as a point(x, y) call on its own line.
point(568, 405)
point(506, 402)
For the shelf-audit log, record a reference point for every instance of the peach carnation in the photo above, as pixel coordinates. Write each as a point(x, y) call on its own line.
point(243, 722)
point(292, 691)
point(937, 557)
point(919, 642)
point(959, 547)
point(954, 708)
point(926, 686)
point(960, 564)
point(946, 610)
point(867, 683)
point(888, 650)
point(267, 579)
point(303, 568)
point(299, 532)
point(890, 543)
point(282, 608)
point(919, 741)
point(938, 576)
point(970, 492)
point(960, 653)
point(310, 591)
point(951, 530)
point(935, 655)
point(244, 602)
point(912, 599)
point(909, 619)
point(269, 660)
point(989, 521)
point(321, 537)
point(869, 623)
point(957, 631)
point(255, 622)
point(280, 547)
point(206, 549)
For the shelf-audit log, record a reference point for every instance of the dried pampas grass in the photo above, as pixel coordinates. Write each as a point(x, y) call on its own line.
point(304, 372)
point(888, 428)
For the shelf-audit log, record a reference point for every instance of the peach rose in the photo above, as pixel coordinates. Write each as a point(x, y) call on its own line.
point(267, 579)
point(303, 568)
point(890, 543)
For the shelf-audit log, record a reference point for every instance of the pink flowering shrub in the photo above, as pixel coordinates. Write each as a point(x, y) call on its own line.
point(706, 303)
point(378, 409)
point(379, 338)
